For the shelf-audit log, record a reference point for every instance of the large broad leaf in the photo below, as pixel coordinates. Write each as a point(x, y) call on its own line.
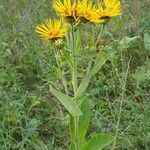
point(85, 118)
point(84, 121)
point(98, 142)
point(99, 62)
point(67, 102)
point(83, 124)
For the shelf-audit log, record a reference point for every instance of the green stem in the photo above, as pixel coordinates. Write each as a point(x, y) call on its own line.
point(74, 63)
point(74, 76)
point(75, 86)
point(76, 142)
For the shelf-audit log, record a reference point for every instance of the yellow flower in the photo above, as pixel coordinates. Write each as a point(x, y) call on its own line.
point(87, 11)
point(110, 8)
point(67, 8)
point(52, 29)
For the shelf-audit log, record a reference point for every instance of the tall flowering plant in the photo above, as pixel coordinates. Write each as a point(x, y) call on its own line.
point(73, 14)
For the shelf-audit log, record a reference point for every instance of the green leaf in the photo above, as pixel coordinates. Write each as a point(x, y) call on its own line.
point(98, 142)
point(85, 118)
point(82, 143)
point(147, 41)
point(126, 42)
point(83, 86)
point(67, 102)
point(99, 62)
point(84, 121)
point(58, 73)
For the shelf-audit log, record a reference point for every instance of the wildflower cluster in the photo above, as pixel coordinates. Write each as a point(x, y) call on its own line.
point(74, 99)
point(77, 10)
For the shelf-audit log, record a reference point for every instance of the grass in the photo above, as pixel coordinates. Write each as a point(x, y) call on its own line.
point(31, 118)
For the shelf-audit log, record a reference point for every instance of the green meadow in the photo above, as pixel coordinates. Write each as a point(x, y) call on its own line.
point(31, 118)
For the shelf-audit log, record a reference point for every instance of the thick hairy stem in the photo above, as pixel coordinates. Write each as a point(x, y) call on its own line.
point(75, 86)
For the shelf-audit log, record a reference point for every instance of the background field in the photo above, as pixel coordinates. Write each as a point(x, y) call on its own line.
point(32, 119)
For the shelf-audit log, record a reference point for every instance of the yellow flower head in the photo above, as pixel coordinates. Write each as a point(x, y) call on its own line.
point(52, 29)
point(87, 11)
point(110, 8)
point(67, 8)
